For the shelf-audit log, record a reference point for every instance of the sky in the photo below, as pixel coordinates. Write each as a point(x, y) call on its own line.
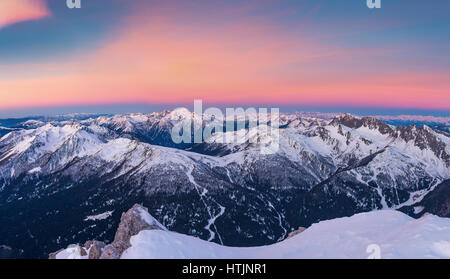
point(127, 56)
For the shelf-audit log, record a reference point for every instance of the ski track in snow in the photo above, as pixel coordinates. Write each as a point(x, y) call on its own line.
point(212, 219)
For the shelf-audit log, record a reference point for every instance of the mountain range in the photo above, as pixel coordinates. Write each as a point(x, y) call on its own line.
point(66, 180)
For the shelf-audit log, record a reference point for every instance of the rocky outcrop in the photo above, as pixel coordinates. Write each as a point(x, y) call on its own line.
point(354, 122)
point(95, 248)
point(114, 250)
point(424, 138)
point(131, 223)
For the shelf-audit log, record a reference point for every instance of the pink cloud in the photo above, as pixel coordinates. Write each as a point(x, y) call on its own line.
point(14, 11)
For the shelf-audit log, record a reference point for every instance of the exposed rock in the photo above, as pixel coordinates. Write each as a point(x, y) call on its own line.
point(83, 252)
point(132, 222)
point(294, 233)
point(88, 244)
point(95, 248)
point(354, 122)
point(424, 138)
point(114, 250)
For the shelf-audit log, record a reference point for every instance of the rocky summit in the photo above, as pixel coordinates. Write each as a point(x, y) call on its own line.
point(131, 223)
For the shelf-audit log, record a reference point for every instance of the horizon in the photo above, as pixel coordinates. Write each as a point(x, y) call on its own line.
point(114, 109)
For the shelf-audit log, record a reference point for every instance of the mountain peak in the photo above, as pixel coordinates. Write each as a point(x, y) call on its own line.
point(356, 122)
point(424, 138)
point(180, 113)
point(131, 223)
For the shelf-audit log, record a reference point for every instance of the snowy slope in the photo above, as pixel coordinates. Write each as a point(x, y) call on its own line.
point(396, 234)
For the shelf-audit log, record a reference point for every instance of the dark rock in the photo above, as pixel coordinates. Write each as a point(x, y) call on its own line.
point(424, 138)
point(88, 244)
point(354, 122)
point(131, 223)
point(114, 250)
point(83, 252)
point(96, 249)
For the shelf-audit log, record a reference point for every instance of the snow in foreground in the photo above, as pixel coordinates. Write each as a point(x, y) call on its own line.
point(396, 234)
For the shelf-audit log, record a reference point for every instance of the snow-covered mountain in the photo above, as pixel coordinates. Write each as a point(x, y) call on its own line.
point(386, 234)
point(56, 174)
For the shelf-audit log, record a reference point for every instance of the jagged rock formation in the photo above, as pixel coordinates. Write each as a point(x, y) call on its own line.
point(353, 122)
point(131, 223)
point(95, 248)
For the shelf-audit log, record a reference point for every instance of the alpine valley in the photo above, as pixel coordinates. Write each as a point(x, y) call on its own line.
point(68, 179)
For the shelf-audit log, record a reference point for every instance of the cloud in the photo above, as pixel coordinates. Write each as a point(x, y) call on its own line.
point(14, 11)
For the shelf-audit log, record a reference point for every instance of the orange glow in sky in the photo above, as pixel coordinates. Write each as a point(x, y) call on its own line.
point(168, 58)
